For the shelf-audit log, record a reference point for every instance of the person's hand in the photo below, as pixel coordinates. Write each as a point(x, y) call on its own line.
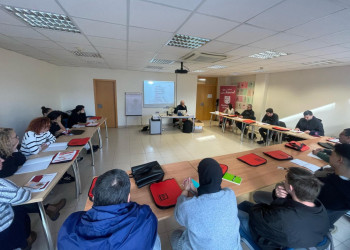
point(187, 184)
point(316, 151)
point(307, 131)
point(297, 129)
point(280, 191)
point(44, 146)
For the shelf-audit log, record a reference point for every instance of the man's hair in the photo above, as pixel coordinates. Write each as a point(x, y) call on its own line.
point(308, 112)
point(305, 184)
point(344, 151)
point(269, 110)
point(111, 188)
point(347, 131)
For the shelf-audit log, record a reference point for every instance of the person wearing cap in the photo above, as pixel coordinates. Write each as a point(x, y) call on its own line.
point(324, 154)
point(310, 124)
point(78, 116)
point(210, 216)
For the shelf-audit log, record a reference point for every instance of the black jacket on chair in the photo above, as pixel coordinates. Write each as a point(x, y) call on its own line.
point(287, 223)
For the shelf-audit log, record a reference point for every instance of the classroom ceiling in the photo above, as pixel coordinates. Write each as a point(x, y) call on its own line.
point(128, 34)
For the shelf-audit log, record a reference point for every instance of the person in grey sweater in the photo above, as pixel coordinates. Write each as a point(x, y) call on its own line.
point(210, 216)
point(15, 229)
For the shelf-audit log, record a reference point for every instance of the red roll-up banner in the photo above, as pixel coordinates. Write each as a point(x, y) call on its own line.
point(227, 96)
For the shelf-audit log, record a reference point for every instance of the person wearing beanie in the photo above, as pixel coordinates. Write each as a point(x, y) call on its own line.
point(210, 216)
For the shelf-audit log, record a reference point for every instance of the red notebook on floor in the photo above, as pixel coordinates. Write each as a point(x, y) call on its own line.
point(78, 141)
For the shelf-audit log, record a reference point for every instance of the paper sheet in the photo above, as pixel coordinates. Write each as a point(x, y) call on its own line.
point(314, 156)
point(39, 183)
point(305, 164)
point(35, 164)
point(57, 146)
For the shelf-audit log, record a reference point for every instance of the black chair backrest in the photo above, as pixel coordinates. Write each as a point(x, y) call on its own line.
point(282, 124)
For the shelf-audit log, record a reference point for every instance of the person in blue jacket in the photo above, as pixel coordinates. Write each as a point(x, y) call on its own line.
point(113, 222)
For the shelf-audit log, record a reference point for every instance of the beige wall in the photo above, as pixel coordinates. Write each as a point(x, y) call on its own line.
point(26, 85)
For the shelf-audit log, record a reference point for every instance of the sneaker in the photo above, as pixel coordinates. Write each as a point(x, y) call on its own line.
point(30, 240)
point(94, 148)
point(260, 142)
point(53, 210)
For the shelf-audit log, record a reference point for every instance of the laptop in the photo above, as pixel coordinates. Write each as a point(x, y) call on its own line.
point(181, 112)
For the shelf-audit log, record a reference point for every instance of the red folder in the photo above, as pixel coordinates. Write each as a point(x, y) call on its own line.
point(281, 128)
point(248, 121)
point(278, 155)
point(252, 160)
point(223, 168)
point(95, 117)
point(165, 193)
point(78, 141)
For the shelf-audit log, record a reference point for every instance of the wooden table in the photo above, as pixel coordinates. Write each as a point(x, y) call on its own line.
point(254, 178)
point(60, 169)
point(179, 171)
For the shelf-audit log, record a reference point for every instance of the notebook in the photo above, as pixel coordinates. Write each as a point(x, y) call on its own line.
point(35, 164)
point(57, 146)
point(39, 183)
point(64, 156)
point(232, 178)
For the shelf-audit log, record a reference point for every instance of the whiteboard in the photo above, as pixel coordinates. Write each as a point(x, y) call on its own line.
point(133, 104)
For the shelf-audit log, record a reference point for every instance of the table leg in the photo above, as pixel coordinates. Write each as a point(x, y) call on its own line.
point(267, 143)
point(75, 167)
point(242, 131)
point(45, 226)
point(99, 137)
point(193, 125)
point(92, 153)
point(280, 136)
point(253, 132)
point(106, 128)
point(223, 125)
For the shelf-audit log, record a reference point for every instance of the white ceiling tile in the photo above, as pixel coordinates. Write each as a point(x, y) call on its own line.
point(156, 17)
point(149, 36)
point(107, 42)
point(6, 39)
point(66, 37)
point(244, 51)
point(238, 10)
point(330, 24)
point(326, 51)
point(101, 29)
point(76, 46)
point(218, 47)
point(7, 18)
point(245, 34)
point(19, 31)
point(39, 43)
point(103, 50)
point(214, 26)
point(278, 40)
point(337, 56)
point(337, 38)
point(113, 11)
point(174, 50)
point(304, 46)
point(291, 57)
point(140, 46)
point(14, 46)
point(291, 13)
point(166, 56)
point(345, 45)
point(182, 4)
point(42, 5)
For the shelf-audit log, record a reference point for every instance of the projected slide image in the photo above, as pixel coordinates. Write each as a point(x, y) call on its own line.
point(158, 93)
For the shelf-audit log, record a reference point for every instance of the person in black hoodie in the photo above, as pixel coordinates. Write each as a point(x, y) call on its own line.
point(9, 152)
point(295, 219)
point(270, 118)
point(78, 116)
point(310, 124)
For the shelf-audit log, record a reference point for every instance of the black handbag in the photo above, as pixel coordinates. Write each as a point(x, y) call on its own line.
point(147, 173)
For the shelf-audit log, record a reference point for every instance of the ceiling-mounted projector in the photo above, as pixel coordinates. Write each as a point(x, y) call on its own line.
point(181, 70)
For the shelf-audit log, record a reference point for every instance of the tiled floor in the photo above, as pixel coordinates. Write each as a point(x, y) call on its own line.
point(127, 147)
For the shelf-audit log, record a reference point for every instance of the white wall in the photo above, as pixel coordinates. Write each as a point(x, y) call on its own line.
point(326, 91)
point(77, 88)
point(26, 85)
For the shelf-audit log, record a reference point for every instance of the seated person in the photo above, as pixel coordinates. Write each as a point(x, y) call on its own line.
point(210, 216)
point(270, 118)
point(78, 116)
point(296, 219)
point(230, 111)
point(64, 116)
point(310, 124)
point(15, 229)
point(246, 114)
point(56, 127)
point(37, 136)
point(9, 153)
point(181, 106)
point(113, 222)
point(344, 137)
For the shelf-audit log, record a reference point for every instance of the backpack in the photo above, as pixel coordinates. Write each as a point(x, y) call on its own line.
point(187, 126)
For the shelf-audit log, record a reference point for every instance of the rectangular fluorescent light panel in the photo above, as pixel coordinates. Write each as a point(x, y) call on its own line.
point(188, 42)
point(217, 67)
point(269, 54)
point(162, 61)
point(199, 71)
point(44, 20)
point(323, 62)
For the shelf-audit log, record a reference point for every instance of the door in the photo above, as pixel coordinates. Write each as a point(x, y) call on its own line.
point(206, 101)
point(106, 101)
